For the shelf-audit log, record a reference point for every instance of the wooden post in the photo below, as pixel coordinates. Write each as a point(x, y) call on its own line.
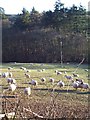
point(61, 55)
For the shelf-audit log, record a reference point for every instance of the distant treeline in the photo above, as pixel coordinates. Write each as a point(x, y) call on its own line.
point(44, 37)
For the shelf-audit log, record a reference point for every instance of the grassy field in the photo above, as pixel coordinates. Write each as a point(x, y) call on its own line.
point(61, 103)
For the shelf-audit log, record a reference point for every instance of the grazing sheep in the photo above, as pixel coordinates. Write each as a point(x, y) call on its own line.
point(56, 71)
point(75, 75)
point(86, 70)
point(0, 74)
point(10, 68)
point(79, 84)
point(61, 84)
point(51, 80)
point(27, 91)
point(27, 76)
point(23, 68)
point(85, 86)
point(59, 73)
point(43, 79)
point(5, 74)
point(28, 71)
point(68, 77)
point(11, 81)
point(33, 82)
point(12, 87)
point(43, 69)
point(10, 74)
point(80, 80)
point(75, 85)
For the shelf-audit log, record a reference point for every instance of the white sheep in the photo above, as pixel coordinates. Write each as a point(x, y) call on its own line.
point(0, 74)
point(56, 71)
point(33, 82)
point(75, 75)
point(10, 74)
point(61, 84)
point(59, 73)
point(85, 86)
point(5, 74)
point(51, 80)
point(86, 70)
point(10, 68)
point(27, 91)
point(12, 87)
point(27, 75)
point(76, 84)
point(43, 79)
point(23, 68)
point(43, 69)
point(11, 81)
point(80, 80)
point(68, 77)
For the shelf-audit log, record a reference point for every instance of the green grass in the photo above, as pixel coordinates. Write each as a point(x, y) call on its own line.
point(49, 72)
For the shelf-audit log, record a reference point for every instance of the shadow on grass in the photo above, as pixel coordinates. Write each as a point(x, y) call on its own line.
point(8, 96)
point(48, 90)
point(61, 91)
point(56, 90)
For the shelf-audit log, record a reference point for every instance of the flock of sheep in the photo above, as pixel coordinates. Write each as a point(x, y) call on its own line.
point(75, 83)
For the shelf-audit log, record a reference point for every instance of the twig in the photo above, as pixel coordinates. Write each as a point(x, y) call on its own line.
point(33, 113)
point(79, 64)
point(17, 105)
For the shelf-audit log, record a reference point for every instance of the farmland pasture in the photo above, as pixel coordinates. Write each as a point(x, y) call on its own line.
point(46, 99)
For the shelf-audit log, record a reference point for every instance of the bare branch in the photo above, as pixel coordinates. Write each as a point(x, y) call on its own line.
point(33, 113)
